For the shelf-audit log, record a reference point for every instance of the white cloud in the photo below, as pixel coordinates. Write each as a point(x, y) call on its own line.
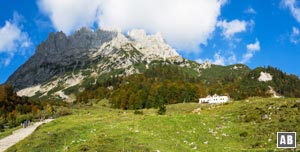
point(220, 59)
point(184, 24)
point(7, 60)
point(12, 39)
point(294, 7)
point(199, 60)
point(296, 31)
point(295, 36)
point(251, 50)
point(250, 10)
point(229, 29)
point(69, 15)
point(232, 58)
point(254, 47)
point(229, 57)
point(9, 34)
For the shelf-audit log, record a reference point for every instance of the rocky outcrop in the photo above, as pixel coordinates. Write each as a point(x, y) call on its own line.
point(206, 65)
point(264, 77)
point(152, 46)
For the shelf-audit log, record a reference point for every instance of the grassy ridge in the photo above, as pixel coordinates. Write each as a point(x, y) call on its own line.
point(242, 125)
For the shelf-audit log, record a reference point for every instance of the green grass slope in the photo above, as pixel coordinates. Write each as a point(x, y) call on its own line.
point(248, 125)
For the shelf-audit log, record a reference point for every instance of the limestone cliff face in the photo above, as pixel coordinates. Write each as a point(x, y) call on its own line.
point(63, 61)
point(58, 54)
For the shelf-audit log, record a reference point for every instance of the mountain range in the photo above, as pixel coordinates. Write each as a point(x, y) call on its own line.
point(78, 66)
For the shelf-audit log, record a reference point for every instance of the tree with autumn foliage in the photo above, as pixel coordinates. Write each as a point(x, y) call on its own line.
point(15, 109)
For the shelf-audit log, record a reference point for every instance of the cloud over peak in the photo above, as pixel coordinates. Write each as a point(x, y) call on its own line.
point(69, 15)
point(184, 24)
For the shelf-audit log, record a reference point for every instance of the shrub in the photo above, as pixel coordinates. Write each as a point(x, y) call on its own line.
point(257, 144)
point(296, 105)
point(12, 123)
point(282, 119)
point(244, 134)
point(1, 125)
point(138, 112)
point(251, 117)
point(298, 119)
point(63, 111)
point(22, 118)
point(162, 109)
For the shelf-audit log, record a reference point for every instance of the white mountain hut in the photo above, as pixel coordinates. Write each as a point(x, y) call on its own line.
point(215, 99)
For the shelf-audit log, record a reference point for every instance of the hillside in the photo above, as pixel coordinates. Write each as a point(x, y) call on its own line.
point(160, 84)
point(99, 128)
point(109, 64)
point(169, 84)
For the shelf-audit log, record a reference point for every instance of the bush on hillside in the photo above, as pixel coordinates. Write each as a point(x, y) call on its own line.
point(162, 109)
point(63, 111)
point(138, 112)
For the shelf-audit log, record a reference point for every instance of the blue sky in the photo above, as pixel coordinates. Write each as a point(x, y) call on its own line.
point(256, 33)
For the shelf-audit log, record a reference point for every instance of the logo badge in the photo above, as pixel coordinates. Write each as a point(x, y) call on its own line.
point(286, 139)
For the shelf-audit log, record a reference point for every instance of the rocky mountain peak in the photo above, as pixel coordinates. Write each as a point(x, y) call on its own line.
point(137, 34)
point(61, 60)
point(152, 45)
point(59, 54)
point(141, 35)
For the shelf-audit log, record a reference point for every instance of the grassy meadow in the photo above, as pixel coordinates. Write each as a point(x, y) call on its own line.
point(248, 125)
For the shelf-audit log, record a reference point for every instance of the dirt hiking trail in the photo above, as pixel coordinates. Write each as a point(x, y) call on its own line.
point(19, 135)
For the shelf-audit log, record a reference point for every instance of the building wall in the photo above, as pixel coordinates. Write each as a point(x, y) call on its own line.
point(214, 99)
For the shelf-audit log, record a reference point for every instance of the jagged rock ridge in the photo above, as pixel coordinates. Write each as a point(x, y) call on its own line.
point(58, 54)
point(64, 61)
